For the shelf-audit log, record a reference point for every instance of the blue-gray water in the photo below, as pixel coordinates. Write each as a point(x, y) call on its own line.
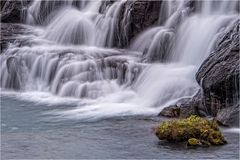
point(27, 133)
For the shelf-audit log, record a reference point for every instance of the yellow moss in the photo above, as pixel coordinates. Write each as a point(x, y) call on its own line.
point(191, 127)
point(193, 142)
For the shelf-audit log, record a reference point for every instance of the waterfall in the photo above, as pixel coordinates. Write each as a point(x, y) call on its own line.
point(77, 24)
point(71, 53)
point(74, 27)
point(39, 11)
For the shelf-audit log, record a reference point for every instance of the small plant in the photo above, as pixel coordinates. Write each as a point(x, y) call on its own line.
point(195, 130)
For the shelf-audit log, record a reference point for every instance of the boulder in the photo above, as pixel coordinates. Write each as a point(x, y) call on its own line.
point(219, 77)
point(185, 107)
point(171, 111)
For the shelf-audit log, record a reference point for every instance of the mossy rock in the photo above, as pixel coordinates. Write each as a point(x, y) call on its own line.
point(194, 129)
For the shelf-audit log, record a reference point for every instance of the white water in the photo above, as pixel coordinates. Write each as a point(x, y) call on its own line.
point(67, 57)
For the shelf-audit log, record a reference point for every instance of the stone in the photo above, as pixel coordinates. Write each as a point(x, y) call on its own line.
point(185, 107)
point(171, 111)
point(219, 77)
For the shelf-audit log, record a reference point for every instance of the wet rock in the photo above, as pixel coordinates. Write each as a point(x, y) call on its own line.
point(134, 17)
point(185, 107)
point(105, 5)
point(171, 111)
point(219, 77)
point(183, 110)
point(142, 15)
point(229, 116)
point(14, 80)
point(13, 11)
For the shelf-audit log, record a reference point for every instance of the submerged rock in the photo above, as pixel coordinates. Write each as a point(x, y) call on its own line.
point(195, 130)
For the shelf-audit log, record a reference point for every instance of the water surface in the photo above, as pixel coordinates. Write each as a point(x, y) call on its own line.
point(28, 133)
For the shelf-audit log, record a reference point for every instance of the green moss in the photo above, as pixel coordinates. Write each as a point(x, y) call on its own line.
point(193, 142)
point(190, 129)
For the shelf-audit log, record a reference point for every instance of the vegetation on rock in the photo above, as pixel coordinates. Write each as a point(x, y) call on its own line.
point(196, 130)
point(193, 142)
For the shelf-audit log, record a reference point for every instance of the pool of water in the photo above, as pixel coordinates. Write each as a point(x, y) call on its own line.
point(28, 133)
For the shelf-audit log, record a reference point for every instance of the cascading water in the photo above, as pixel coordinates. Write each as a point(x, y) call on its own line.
point(63, 56)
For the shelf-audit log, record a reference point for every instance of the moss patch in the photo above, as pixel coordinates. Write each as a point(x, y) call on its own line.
point(195, 130)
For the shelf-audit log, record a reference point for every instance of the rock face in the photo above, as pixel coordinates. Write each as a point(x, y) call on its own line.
point(12, 11)
point(219, 78)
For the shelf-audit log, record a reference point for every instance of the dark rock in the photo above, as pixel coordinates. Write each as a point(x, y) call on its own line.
point(171, 111)
point(184, 110)
point(105, 4)
point(134, 17)
point(13, 11)
point(219, 77)
point(185, 107)
point(228, 116)
point(141, 15)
